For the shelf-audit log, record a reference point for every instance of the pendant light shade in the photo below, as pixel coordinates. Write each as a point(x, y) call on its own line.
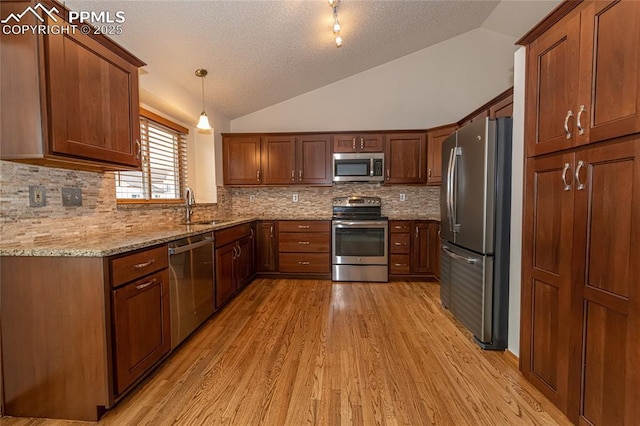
point(203, 122)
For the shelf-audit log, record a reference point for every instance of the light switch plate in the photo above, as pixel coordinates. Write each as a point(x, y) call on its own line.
point(71, 197)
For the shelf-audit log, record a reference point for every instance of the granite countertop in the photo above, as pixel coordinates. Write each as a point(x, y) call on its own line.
point(109, 244)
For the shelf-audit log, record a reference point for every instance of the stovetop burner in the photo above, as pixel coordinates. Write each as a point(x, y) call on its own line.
point(357, 208)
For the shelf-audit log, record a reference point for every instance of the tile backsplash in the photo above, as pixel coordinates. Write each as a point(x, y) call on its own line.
point(100, 212)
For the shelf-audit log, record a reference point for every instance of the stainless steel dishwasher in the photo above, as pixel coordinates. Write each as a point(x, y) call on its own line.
point(191, 270)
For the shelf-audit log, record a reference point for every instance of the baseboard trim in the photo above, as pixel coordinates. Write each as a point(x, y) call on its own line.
point(512, 358)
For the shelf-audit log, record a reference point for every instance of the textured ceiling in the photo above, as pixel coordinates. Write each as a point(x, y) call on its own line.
point(259, 53)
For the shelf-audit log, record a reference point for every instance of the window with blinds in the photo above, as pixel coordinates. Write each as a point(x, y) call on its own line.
point(164, 162)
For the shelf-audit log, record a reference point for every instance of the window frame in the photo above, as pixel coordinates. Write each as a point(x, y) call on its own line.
point(151, 116)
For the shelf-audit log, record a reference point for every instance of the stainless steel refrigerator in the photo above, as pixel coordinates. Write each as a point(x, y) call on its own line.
point(475, 220)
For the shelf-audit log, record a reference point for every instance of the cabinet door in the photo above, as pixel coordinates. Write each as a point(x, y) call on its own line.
point(607, 243)
point(547, 352)
point(370, 143)
point(406, 158)
point(344, 143)
point(241, 160)
point(279, 160)
point(314, 160)
point(266, 247)
point(552, 84)
point(225, 273)
point(141, 327)
point(425, 248)
point(503, 108)
point(244, 262)
point(434, 153)
point(93, 100)
point(609, 92)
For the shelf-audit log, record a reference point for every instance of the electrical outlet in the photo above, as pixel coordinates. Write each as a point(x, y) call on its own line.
point(403, 197)
point(71, 197)
point(295, 198)
point(252, 198)
point(37, 196)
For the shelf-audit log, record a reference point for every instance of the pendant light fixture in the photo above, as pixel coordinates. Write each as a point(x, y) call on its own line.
point(336, 24)
point(203, 122)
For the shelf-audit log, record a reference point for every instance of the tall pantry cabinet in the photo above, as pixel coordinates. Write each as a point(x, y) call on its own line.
point(580, 312)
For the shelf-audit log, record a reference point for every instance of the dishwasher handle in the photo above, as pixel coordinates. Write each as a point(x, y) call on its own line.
point(182, 249)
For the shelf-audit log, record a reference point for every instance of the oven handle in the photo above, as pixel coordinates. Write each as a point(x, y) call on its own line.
point(360, 223)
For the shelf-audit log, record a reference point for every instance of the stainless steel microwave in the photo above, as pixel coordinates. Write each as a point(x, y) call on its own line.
point(358, 167)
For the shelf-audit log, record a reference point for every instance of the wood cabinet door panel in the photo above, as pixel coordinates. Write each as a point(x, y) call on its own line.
point(344, 143)
point(244, 262)
point(423, 259)
point(547, 304)
point(406, 158)
point(279, 160)
point(552, 84)
point(142, 329)
point(93, 100)
point(304, 226)
point(314, 160)
point(351, 142)
point(371, 143)
point(266, 247)
point(400, 264)
point(609, 63)
point(400, 243)
point(225, 274)
point(241, 160)
point(434, 154)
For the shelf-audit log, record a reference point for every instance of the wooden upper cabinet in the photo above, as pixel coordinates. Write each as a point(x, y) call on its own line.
point(435, 138)
point(352, 142)
point(86, 103)
point(313, 159)
point(279, 160)
point(583, 84)
point(241, 160)
point(406, 158)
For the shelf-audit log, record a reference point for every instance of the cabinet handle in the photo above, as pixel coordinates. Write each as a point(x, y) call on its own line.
point(239, 251)
point(400, 264)
point(139, 149)
point(251, 233)
point(581, 185)
point(429, 173)
point(387, 174)
point(361, 143)
point(578, 123)
point(566, 124)
point(303, 226)
point(271, 231)
point(398, 227)
point(293, 174)
point(300, 175)
point(145, 285)
point(567, 186)
point(258, 175)
point(353, 144)
point(303, 243)
point(399, 244)
point(417, 232)
point(143, 265)
point(304, 263)
point(234, 256)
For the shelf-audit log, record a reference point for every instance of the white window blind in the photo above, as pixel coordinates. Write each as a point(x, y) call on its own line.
point(164, 164)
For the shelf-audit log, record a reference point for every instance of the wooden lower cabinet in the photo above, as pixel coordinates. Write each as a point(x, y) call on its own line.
point(141, 327)
point(266, 246)
point(235, 261)
point(304, 247)
point(414, 248)
point(580, 297)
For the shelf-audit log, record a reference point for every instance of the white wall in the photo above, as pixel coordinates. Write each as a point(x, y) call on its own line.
point(517, 182)
point(434, 86)
point(168, 99)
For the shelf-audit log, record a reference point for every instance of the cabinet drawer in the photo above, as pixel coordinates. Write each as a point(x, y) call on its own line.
point(304, 226)
point(400, 243)
point(228, 235)
point(399, 264)
point(305, 262)
point(304, 242)
point(399, 226)
point(130, 267)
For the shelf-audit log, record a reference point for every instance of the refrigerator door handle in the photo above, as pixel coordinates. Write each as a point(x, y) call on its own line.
point(469, 260)
point(457, 151)
point(450, 190)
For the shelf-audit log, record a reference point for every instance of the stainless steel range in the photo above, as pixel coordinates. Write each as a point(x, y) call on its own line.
point(359, 245)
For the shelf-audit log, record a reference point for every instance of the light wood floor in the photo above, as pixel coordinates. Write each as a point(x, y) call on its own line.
point(289, 352)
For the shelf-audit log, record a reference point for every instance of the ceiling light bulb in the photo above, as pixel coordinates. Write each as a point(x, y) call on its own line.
point(203, 122)
point(338, 41)
point(336, 26)
point(333, 3)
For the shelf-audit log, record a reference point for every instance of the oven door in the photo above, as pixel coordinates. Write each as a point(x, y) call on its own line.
point(359, 242)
